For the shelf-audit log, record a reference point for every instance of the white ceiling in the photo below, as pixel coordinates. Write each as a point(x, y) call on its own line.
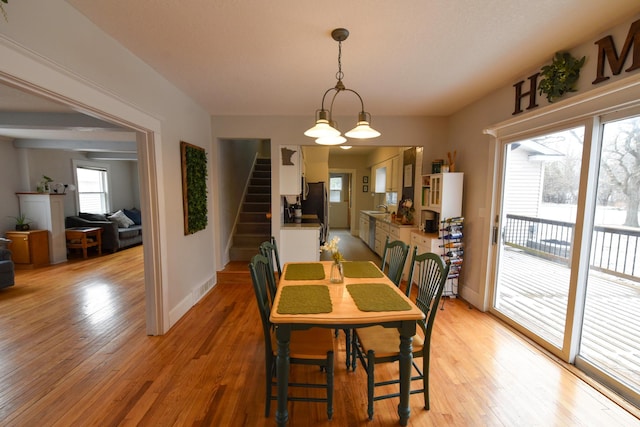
point(409, 57)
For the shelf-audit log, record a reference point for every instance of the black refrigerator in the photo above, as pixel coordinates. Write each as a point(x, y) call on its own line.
point(315, 201)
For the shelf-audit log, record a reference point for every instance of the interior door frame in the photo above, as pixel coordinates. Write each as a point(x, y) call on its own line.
point(354, 178)
point(39, 76)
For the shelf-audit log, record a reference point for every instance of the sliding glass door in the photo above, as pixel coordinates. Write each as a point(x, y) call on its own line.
point(536, 228)
point(567, 245)
point(610, 338)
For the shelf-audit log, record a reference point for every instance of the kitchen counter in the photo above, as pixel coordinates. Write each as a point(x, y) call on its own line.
point(306, 222)
point(381, 216)
point(425, 234)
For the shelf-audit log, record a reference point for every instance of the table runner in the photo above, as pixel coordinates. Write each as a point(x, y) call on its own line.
point(376, 297)
point(305, 299)
point(305, 271)
point(361, 270)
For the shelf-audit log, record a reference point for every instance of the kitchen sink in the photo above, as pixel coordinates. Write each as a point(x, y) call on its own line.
point(379, 215)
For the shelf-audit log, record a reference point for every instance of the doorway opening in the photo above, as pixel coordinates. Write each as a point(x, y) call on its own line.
point(155, 318)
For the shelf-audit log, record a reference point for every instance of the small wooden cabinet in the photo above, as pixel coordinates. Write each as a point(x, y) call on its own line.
point(46, 212)
point(29, 248)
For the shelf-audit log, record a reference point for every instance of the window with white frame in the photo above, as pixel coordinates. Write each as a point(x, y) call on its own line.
point(93, 189)
point(335, 189)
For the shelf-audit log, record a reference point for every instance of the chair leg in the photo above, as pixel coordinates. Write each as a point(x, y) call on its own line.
point(329, 384)
point(370, 382)
point(347, 346)
point(354, 351)
point(425, 377)
point(269, 378)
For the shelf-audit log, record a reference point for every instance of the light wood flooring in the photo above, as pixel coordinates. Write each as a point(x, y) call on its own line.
point(73, 352)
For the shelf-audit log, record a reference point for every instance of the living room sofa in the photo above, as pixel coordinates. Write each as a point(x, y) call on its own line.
point(116, 235)
point(7, 275)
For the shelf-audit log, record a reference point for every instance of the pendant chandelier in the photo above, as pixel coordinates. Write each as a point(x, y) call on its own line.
point(326, 130)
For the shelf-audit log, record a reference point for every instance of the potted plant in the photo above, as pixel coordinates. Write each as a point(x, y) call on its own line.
point(22, 222)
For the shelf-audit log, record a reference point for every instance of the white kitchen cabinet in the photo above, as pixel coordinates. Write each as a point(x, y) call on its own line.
point(386, 176)
point(46, 212)
point(379, 178)
point(402, 233)
point(363, 230)
point(426, 242)
point(396, 175)
point(442, 193)
point(382, 231)
point(291, 167)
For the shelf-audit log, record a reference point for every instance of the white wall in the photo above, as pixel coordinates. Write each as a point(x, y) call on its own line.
point(50, 46)
point(10, 179)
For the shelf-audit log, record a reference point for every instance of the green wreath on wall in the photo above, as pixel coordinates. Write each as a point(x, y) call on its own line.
point(194, 187)
point(4, 13)
point(560, 76)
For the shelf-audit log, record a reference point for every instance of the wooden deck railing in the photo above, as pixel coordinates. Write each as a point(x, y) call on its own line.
point(614, 250)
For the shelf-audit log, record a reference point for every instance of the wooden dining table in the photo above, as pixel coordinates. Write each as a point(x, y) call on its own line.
point(306, 298)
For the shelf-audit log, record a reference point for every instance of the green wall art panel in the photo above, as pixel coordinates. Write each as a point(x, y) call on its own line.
point(194, 187)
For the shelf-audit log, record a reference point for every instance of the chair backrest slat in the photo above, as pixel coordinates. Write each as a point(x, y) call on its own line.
point(394, 258)
point(429, 272)
point(269, 250)
point(260, 272)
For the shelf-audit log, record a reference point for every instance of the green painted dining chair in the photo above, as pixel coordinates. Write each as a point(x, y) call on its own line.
point(308, 347)
point(375, 345)
point(394, 258)
point(269, 249)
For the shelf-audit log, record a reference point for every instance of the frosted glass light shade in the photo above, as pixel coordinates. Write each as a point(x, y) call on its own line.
point(346, 147)
point(362, 131)
point(331, 140)
point(321, 129)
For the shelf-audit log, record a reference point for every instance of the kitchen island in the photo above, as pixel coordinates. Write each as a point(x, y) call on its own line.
point(299, 242)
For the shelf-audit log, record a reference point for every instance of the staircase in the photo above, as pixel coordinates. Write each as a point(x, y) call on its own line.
point(254, 225)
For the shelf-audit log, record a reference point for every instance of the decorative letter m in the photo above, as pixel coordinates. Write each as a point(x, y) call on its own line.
point(606, 49)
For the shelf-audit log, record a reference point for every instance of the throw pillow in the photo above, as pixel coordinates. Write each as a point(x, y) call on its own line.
point(121, 219)
point(134, 215)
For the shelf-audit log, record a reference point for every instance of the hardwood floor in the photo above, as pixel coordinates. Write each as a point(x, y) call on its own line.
point(73, 351)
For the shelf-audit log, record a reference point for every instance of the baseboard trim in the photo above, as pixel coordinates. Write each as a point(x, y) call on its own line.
point(190, 300)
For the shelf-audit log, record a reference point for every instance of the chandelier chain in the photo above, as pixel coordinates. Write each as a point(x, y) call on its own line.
point(339, 74)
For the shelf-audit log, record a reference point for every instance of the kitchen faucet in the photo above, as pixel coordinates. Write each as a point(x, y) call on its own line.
point(386, 209)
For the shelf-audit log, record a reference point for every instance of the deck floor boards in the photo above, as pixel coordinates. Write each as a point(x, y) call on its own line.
point(535, 291)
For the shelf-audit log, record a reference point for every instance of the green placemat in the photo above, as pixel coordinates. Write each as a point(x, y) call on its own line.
point(361, 269)
point(305, 299)
point(305, 271)
point(376, 297)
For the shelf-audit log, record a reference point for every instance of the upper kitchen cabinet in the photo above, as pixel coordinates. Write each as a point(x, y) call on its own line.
point(396, 174)
point(442, 193)
point(291, 170)
point(386, 176)
point(379, 175)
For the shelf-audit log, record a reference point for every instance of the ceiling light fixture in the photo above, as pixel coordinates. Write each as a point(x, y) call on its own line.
point(325, 130)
